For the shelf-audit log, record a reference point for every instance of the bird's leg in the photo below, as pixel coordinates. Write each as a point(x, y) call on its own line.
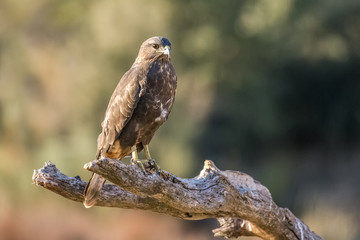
point(151, 161)
point(135, 158)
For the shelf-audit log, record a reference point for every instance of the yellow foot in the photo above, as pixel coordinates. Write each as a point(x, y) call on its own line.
point(149, 162)
point(146, 163)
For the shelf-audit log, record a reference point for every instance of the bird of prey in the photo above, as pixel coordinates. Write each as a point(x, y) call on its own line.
point(140, 104)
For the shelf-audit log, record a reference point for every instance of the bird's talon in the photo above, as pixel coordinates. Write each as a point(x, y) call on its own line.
point(139, 163)
point(151, 163)
point(157, 167)
point(144, 164)
point(142, 167)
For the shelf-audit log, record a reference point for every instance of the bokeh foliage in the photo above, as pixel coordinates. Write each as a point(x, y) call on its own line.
point(270, 88)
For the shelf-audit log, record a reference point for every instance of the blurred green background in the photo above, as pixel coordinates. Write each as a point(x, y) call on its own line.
point(270, 88)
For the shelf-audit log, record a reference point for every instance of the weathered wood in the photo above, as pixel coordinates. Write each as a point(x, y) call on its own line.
point(242, 205)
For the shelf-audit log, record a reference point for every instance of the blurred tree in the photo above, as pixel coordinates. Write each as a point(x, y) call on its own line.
point(284, 85)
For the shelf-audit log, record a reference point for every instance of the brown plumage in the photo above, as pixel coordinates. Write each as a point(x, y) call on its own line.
point(140, 104)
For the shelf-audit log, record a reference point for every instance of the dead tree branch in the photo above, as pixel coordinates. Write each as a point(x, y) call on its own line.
point(242, 205)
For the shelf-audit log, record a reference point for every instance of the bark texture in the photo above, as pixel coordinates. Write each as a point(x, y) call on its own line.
point(242, 205)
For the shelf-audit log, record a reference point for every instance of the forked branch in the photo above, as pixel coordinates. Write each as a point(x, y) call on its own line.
point(242, 205)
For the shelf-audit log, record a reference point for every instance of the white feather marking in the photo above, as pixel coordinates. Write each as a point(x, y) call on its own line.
point(164, 113)
point(168, 101)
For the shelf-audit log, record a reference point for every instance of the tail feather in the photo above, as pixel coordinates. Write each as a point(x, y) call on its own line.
point(93, 189)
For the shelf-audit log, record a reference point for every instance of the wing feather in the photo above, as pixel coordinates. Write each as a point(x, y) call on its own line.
point(121, 107)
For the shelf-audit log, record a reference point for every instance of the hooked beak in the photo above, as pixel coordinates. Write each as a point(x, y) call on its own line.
point(166, 50)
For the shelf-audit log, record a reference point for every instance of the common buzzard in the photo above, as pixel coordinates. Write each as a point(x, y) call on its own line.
point(140, 104)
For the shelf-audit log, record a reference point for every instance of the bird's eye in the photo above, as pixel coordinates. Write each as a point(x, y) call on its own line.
point(156, 46)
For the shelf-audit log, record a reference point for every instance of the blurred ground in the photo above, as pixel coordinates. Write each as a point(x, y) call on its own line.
point(270, 88)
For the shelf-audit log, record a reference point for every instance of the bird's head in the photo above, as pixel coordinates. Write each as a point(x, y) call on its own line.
point(153, 48)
